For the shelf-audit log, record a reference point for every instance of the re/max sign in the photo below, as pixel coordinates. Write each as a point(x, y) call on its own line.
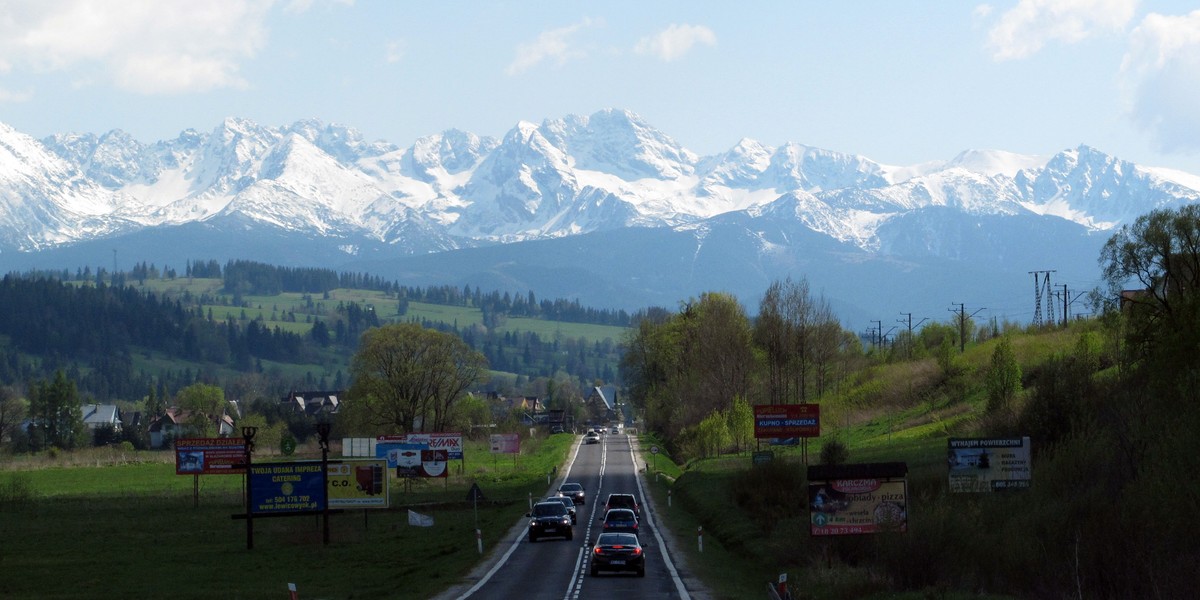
point(787, 420)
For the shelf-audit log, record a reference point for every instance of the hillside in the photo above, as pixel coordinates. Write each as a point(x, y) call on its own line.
point(1103, 483)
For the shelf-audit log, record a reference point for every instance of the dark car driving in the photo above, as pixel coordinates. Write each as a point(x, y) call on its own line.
point(620, 520)
point(623, 501)
point(567, 502)
point(549, 519)
point(618, 552)
point(573, 491)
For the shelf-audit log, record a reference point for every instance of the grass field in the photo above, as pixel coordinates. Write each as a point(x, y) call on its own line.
point(99, 524)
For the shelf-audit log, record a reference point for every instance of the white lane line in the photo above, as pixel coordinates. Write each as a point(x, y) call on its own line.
point(582, 565)
point(683, 593)
point(516, 542)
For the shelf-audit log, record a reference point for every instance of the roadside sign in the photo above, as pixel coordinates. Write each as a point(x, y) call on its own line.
point(286, 487)
point(208, 456)
point(787, 420)
point(358, 484)
point(989, 465)
point(858, 498)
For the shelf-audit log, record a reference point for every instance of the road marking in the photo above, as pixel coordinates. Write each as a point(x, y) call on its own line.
point(683, 593)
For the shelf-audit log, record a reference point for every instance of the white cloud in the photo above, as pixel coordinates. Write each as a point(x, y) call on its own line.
point(550, 45)
point(394, 52)
point(7, 96)
point(675, 41)
point(1161, 74)
point(144, 46)
point(1031, 24)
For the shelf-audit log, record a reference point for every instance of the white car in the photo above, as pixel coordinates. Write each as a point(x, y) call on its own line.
point(591, 438)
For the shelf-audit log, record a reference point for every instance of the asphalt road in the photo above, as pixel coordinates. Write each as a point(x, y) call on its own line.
point(557, 568)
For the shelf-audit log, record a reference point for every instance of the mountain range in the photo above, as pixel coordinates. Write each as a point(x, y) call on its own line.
point(604, 208)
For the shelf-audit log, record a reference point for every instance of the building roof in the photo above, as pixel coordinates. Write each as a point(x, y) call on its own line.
point(95, 415)
point(312, 403)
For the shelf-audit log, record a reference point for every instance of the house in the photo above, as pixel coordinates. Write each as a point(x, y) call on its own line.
point(315, 403)
point(175, 423)
point(602, 404)
point(96, 416)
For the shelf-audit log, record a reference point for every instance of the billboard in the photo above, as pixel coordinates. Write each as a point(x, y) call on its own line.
point(358, 484)
point(207, 456)
point(505, 443)
point(988, 465)
point(787, 420)
point(858, 499)
point(450, 442)
point(287, 487)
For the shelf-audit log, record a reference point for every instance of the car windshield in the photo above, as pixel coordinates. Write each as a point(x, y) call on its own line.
point(617, 539)
point(549, 509)
point(571, 487)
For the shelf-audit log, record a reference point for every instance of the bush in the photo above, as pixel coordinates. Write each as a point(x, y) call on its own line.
point(834, 452)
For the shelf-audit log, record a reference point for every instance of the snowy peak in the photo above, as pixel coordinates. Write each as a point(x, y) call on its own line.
point(568, 176)
point(620, 143)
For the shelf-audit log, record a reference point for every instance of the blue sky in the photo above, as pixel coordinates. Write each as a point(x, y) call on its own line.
point(898, 81)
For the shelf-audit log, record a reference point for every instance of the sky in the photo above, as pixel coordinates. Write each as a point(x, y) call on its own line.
point(901, 82)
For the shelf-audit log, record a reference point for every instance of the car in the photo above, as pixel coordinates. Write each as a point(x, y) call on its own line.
point(623, 501)
point(556, 429)
point(573, 491)
point(567, 502)
point(549, 519)
point(620, 520)
point(591, 438)
point(614, 430)
point(618, 552)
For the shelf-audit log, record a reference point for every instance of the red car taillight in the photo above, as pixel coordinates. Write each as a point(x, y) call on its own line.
point(637, 551)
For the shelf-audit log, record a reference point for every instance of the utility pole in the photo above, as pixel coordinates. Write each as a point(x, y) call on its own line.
point(1066, 302)
point(877, 334)
point(910, 330)
point(962, 324)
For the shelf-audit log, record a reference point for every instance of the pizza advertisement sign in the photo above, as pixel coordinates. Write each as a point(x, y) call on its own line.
point(858, 499)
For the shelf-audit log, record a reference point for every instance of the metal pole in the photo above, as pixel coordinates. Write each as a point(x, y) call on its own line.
point(248, 434)
point(323, 440)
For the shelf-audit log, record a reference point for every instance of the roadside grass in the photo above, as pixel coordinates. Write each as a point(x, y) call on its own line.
point(129, 529)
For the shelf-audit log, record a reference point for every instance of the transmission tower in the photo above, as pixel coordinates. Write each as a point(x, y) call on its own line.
point(1041, 287)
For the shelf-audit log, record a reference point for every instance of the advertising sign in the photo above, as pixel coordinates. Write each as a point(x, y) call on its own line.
point(286, 487)
point(206, 456)
point(505, 443)
point(450, 442)
point(358, 484)
point(858, 499)
point(433, 463)
point(989, 465)
point(787, 420)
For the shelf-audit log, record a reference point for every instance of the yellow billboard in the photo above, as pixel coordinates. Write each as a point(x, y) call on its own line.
point(358, 484)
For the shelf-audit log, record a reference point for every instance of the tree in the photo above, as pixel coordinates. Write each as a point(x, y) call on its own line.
point(205, 405)
point(681, 368)
point(741, 423)
point(56, 414)
point(1003, 379)
point(1159, 254)
point(408, 378)
point(799, 337)
point(12, 412)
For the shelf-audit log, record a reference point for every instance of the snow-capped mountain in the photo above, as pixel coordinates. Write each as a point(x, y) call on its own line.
point(346, 202)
